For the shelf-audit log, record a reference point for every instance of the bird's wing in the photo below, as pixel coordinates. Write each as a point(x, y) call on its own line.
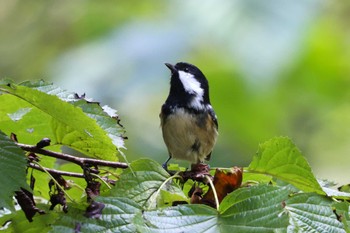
point(213, 116)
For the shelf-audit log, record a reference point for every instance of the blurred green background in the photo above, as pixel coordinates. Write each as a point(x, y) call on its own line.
point(274, 67)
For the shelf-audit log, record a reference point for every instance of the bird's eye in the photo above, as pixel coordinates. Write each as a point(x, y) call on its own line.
point(186, 69)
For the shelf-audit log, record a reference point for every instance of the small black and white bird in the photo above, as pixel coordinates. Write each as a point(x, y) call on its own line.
point(188, 121)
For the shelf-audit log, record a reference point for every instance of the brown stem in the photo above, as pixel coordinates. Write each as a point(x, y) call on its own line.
point(56, 172)
point(77, 160)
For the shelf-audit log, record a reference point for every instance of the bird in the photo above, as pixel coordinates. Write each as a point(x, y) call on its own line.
point(188, 121)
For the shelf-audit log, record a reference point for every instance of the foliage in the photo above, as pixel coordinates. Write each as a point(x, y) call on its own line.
point(83, 128)
point(273, 158)
point(279, 192)
point(13, 166)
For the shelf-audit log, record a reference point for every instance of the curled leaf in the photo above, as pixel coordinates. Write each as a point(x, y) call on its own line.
point(94, 210)
point(93, 189)
point(59, 199)
point(225, 182)
point(196, 194)
point(26, 201)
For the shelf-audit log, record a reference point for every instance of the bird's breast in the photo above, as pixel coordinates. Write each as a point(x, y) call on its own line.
point(189, 136)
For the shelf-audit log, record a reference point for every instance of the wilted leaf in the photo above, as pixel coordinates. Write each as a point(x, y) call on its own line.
point(224, 182)
point(94, 210)
point(26, 201)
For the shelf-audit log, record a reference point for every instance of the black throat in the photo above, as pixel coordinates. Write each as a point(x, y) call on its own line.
point(178, 96)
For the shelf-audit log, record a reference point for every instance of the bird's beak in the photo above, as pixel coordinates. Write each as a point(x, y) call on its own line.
point(171, 67)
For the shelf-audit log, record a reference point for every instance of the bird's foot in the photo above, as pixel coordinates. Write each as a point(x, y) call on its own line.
point(200, 168)
point(199, 172)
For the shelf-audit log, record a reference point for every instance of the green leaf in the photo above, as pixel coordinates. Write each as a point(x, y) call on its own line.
point(341, 209)
point(123, 212)
point(142, 183)
point(35, 113)
point(105, 117)
point(13, 165)
point(309, 212)
point(31, 127)
point(254, 209)
point(19, 223)
point(182, 218)
point(336, 194)
point(117, 216)
point(168, 197)
point(281, 159)
point(256, 178)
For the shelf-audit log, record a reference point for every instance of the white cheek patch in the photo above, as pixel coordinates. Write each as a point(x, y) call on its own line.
point(190, 84)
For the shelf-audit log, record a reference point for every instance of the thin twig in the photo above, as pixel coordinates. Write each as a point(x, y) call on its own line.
point(77, 160)
point(56, 172)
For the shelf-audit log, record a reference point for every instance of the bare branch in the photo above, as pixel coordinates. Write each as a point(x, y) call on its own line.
point(56, 172)
point(77, 160)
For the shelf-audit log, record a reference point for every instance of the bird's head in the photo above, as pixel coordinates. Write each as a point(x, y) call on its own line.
point(188, 84)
